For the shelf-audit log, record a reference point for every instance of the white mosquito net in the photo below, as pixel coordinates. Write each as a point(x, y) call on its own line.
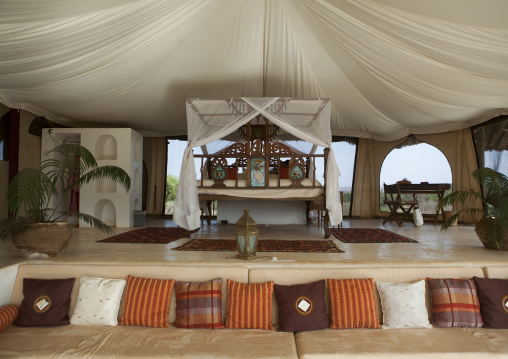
point(209, 120)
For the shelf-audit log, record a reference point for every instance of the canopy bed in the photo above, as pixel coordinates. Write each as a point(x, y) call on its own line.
point(258, 165)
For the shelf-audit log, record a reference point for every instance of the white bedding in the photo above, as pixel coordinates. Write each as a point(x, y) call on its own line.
point(283, 192)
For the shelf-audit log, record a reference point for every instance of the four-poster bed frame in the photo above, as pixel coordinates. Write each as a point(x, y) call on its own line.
point(268, 167)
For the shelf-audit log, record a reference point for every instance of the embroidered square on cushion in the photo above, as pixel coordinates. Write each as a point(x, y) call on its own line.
point(403, 305)
point(98, 301)
point(249, 305)
point(493, 296)
point(455, 303)
point(8, 315)
point(199, 304)
point(301, 307)
point(352, 304)
point(147, 302)
point(46, 302)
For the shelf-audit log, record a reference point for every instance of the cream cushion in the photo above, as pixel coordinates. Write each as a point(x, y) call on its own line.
point(403, 305)
point(98, 301)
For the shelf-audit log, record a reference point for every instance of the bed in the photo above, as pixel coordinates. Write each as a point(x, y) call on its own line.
point(259, 164)
point(262, 169)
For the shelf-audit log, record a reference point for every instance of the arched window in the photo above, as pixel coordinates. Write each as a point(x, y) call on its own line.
point(417, 163)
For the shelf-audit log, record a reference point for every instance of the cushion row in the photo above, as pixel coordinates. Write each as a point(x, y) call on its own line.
point(301, 307)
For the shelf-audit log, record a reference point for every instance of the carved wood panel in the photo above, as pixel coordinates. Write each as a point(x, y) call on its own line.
point(296, 171)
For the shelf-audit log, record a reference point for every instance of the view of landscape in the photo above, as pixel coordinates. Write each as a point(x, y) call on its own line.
point(417, 163)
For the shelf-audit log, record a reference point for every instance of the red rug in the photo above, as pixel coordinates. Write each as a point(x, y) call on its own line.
point(264, 245)
point(150, 235)
point(369, 235)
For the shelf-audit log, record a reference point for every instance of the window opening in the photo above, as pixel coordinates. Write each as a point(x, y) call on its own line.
point(417, 163)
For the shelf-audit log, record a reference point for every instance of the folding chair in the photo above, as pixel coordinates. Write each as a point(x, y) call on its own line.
point(394, 201)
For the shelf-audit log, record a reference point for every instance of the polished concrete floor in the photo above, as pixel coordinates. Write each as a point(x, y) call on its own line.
point(457, 246)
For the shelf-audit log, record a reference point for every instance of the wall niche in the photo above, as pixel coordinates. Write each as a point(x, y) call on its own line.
point(106, 148)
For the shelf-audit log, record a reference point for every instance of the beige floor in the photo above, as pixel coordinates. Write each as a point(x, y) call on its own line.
point(458, 246)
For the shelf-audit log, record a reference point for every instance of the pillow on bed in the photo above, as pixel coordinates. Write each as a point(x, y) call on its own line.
point(232, 173)
point(284, 173)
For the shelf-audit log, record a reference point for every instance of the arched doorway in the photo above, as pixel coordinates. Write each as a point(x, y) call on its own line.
point(417, 163)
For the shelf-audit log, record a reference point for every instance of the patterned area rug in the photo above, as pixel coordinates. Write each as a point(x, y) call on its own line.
point(369, 235)
point(264, 245)
point(150, 235)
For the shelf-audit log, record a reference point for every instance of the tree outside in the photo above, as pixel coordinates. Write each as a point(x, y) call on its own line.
point(171, 188)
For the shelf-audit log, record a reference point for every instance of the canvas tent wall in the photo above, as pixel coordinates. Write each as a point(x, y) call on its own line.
point(389, 67)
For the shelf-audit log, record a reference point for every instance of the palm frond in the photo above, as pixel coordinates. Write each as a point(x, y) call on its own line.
point(113, 173)
point(459, 197)
point(10, 229)
point(91, 221)
point(29, 189)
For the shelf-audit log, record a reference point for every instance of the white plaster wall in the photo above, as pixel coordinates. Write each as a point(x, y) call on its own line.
point(92, 201)
point(263, 212)
point(29, 145)
point(7, 279)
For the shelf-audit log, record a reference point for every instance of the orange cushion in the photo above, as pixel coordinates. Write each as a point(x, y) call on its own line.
point(8, 315)
point(249, 305)
point(147, 302)
point(352, 304)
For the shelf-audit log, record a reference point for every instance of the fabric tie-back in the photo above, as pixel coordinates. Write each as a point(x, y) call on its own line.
point(205, 127)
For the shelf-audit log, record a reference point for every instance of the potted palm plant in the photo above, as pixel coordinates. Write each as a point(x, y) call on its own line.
point(492, 228)
point(36, 198)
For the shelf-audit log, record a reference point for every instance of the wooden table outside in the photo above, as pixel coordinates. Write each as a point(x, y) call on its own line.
point(426, 188)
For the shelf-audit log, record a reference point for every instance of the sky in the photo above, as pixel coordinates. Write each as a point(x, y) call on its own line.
point(418, 163)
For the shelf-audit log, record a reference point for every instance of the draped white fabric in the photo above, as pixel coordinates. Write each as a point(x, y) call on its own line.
point(209, 120)
point(390, 67)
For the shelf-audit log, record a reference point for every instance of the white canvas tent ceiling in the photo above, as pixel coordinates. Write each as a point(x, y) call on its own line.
point(390, 67)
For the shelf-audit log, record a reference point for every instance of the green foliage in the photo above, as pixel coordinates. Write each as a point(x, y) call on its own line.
point(171, 188)
point(31, 190)
point(493, 197)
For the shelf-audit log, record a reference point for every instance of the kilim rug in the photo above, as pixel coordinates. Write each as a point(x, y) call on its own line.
point(150, 235)
point(264, 245)
point(369, 235)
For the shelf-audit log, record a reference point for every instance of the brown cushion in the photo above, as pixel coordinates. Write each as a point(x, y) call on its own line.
point(284, 173)
point(301, 307)
point(232, 173)
point(493, 295)
point(46, 302)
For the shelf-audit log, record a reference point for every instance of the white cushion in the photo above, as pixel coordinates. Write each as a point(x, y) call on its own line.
point(98, 301)
point(403, 305)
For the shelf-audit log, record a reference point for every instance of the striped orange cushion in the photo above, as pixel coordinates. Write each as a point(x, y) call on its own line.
point(8, 315)
point(147, 302)
point(249, 305)
point(352, 304)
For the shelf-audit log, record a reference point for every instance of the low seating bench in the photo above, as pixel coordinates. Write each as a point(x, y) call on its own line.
point(86, 341)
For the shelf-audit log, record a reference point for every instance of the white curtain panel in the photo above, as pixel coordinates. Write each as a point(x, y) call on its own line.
point(209, 120)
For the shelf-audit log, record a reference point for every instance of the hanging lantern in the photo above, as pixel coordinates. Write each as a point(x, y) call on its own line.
point(246, 236)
